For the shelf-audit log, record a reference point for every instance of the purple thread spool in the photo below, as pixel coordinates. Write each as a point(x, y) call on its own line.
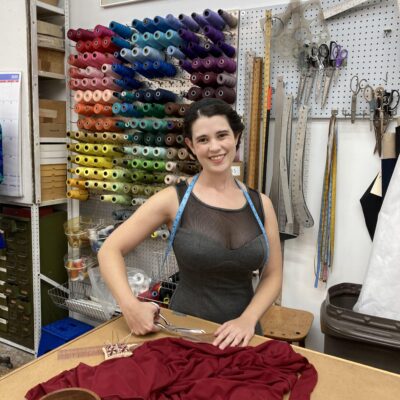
point(199, 19)
point(174, 22)
point(210, 79)
point(199, 50)
point(213, 49)
point(225, 93)
point(188, 36)
point(197, 79)
point(195, 93)
point(228, 50)
point(211, 64)
point(197, 65)
point(213, 34)
point(228, 18)
point(187, 52)
point(214, 19)
point(227, 64)
point(186, 65)
point(226, 80)
point(189, 22)
point(208, 92)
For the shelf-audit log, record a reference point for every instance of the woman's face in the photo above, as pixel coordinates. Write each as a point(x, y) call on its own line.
point(213, 142)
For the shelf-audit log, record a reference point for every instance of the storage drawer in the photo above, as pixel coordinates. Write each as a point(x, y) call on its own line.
point(3, 300)
point(24, 259)
point(4, 312)
point(24, 307)
point(12, 274)
point(3, 325)
point(3, 274)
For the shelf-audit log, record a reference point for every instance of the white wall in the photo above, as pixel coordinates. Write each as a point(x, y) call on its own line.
point(356, 169)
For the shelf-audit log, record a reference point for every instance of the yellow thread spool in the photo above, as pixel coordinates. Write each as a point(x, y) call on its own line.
point(78, 194)
point(95, 185)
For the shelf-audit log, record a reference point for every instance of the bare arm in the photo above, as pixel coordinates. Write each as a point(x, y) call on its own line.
point(241, 330)
point(159, 209)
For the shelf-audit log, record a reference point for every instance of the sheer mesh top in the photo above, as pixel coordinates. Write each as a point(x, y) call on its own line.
point(217, 251)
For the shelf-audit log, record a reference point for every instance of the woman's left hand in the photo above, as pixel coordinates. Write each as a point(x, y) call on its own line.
point(233, 333)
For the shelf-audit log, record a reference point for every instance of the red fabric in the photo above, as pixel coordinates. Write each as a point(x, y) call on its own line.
point(177, 369)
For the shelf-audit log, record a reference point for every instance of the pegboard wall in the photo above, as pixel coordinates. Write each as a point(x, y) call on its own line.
point(369, 32)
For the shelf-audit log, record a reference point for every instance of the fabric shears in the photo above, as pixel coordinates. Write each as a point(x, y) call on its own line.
point(356, 84)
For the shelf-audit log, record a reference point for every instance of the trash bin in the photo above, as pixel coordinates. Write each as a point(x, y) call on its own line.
point(362, 338)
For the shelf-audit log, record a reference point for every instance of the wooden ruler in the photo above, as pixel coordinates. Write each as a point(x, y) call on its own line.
point(266, 95)
point(254, 142)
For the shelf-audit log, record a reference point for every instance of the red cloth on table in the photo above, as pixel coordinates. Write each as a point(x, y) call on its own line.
point(175, 369)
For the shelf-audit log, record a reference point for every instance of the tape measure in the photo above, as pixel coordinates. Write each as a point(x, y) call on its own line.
point(266, 95)
point(301, 212)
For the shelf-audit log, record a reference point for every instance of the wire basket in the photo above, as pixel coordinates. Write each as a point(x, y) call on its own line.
point(77, 296)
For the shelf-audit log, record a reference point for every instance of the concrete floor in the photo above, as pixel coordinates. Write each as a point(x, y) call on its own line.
point(18, 358)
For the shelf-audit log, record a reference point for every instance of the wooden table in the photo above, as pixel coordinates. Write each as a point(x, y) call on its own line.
point(337, 378)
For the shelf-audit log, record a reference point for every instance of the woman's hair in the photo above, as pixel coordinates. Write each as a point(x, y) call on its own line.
point(210, 107)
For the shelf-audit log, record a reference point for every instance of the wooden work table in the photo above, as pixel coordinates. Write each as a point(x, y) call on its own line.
point(337, 379)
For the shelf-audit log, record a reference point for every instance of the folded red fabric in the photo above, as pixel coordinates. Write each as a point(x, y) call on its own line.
point(178, 369)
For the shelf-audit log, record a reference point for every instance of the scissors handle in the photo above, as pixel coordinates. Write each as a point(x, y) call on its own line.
point(342, 55)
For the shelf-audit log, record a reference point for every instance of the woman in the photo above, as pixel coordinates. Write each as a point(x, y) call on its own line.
point(219, 241)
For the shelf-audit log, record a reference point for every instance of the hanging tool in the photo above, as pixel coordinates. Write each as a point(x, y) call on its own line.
point(319, 55)
point(326, 231)
point(355, 86)
point(339, 55)
point(369, 95)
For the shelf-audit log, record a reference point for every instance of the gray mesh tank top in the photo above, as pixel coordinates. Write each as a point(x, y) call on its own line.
point(217, 250)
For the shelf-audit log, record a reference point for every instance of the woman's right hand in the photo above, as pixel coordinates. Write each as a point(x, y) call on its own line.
point(140, 316)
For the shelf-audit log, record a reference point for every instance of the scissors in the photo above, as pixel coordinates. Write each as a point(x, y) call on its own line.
point(390, 101)
point(355, 86)
point(369, 95)
point(337, 56)
point(320, 55)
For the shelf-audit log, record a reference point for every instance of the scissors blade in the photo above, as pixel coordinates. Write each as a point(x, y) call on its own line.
point(353, 108)
point(327, 85)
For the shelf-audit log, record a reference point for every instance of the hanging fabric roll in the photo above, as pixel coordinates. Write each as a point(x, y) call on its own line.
point(326, 231)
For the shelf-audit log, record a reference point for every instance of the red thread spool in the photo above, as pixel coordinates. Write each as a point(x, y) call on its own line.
point(208, 92)
point(99, 125)
point(80, 123)
point(84, 34)
point(170, 139)
point(195, 93)
point(83, 109)
point(89, 124)
point(101, 31)
point(80, 46)
point(225, 93)
point(197, 79)
point(97, 45)
point(72, 35)
point(107, 45)
point(89, 45)
point(110, 125)
point(210, 79)
point(171, 108)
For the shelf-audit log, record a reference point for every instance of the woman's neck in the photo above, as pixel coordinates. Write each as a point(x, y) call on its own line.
point(219, 182)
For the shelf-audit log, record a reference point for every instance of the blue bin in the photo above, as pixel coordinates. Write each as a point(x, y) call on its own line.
point(60, 332)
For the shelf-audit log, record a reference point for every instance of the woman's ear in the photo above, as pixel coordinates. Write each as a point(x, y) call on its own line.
point(189, 144)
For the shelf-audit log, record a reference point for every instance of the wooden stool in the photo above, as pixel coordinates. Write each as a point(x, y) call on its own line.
point(287, 324)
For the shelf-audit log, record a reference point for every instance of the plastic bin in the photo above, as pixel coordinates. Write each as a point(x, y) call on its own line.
point(60, 332)
point(362, 338)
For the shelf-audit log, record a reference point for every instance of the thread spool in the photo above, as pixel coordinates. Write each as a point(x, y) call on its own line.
point(170, 139)
point(137, 189)
point(111, 150)
point(225, 93)
point(79, 194)
point(214, 19)
point(138, 201)
point(174, 22)
point(108, 45)
point(229, 19)
point(81, 46)
point(208, 92)
point(164, 96)
point(84, 34)
point(226, 80)
point(94, 185)
point(83, 109)
point(72, 35)
point(188, 36)
point(159, 177)
point(171, 108)
point(75, 72)
point(127, 55)
point(211, 64)
point(183, 108)
point(183, 154)
point(151, 41)
point(121, 30)
point(149, 139)
point(174, 38)
point(172, 153)
point(174, 52)
point(75, 183)
point(210, 79)
point(123, 70)
point(92, 173)
point(197, 65)
point(116, 199)
point(149, 25)
point(227, 64)
point(127, 188)
point(138, 39)
point(170, 179)
point(197, 79)
point(201, 21)
point(187, 51)
point(161, 24)
point(121, 174)
point(227, 49)
point(162, 39)
point(198, 49)
point(120, 43)
point(165, 68)
point(153, 54)
point(213, 49)
point(108, 96)
point(171, 166)
point(186, 66)
point(213, 34)
point(159, 153)
point(121, 162)
point(194, 93)
point(103, 109)
point(159, 139)
point(139, 25)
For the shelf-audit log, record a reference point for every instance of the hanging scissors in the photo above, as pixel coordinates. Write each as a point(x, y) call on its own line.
point(390, 102)
point(355, 86)
point(338, 55)
point(369, 95)
point(320, 56)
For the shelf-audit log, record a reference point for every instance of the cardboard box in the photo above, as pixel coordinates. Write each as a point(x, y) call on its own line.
point(50, 60)
point(52, 118)
point(51, 42)
point(53, 181)
point(237, 170)
point(46, 28)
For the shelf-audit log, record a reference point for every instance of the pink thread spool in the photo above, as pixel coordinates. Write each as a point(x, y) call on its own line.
point(108, 83)
point(98, 97)
point(78, 96)
point(84, 34)
point(88, 60)
point(93, 72)
point(97, 83)
point(88, 97)
point(75, 72)
point(101, 31)
point(80, 46)
point(106, 69)
point(108, 96)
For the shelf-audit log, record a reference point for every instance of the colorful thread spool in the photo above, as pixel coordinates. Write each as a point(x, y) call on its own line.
point(121, 30)
point(214, 19)
point(213, 34)
point(225, 93)
point(189, 22)
point(78, 194)
point(228, 18)
point(227, 64)
point(226, 80)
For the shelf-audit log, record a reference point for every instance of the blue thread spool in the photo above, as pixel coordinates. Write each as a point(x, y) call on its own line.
point(126, 110)
point(139, 26)
point(127, 55)
point(116, 108)
point(122, 70)
point(199, 19)
point(121, 30)
point(120, 124)
point(174, 38)
point(150, 96)
point(166, 68)
point(138, 39)
point(174, 52)
point(174, 22)
point(140, 95)
point(161, 38)
point(189, 22)
point(138, 54)
point(214, 19)
point(121, 84)
point(199, 50)
point(161, 24)
point(148, 67)
point(138, 67)
point(188, 52)
point(149, 25)
point(128, 97)
point(118, 56)
point(119, 42)
point(132, 83)
point(164, 96)
point(151, 41)
point(229, 50)
point(153, 54)
point(138, 110)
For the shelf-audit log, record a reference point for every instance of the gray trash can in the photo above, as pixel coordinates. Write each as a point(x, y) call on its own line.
point(358, 337)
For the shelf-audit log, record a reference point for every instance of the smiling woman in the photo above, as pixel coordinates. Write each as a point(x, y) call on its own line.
point(226, 231)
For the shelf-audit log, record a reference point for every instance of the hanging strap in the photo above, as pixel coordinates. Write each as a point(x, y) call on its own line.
point(182, 206)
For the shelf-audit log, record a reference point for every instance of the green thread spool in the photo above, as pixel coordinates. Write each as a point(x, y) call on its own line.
point(160, 139)
point(146, 125)
point(118, 187)
point(127, 188)
point(94, 185)
point(148, 178)
point(121, 199)
point(120, 124)
point(148, 109)
point(135, 123)
point(172, 153)
point(147, 151)
point(159, 177)
point(121, 174)
point(138, 138)
point(128, 149)
point(127, 125)
point(121, 162)
point(138, 150)
point(107, 173)
point(138, 176)
point(158, 110)
point(137, 189)
point(107, 186)
point(128, 97)
point(149, 139)
point(148, 165)
point(137, 163)
point(159, 165)
point(160, 125)
point(160, 153)
point(149, 190)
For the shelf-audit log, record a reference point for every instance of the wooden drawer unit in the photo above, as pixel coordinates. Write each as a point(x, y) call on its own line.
point(53, 181)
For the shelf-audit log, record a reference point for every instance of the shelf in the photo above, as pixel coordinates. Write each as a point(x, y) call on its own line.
point(53, 202)
point(50, 75)
point(46, 10)
point(53, 140)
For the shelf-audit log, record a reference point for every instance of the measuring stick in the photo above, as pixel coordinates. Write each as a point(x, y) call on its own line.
point(254, 142)
point(342, 7)
point(266, 97)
